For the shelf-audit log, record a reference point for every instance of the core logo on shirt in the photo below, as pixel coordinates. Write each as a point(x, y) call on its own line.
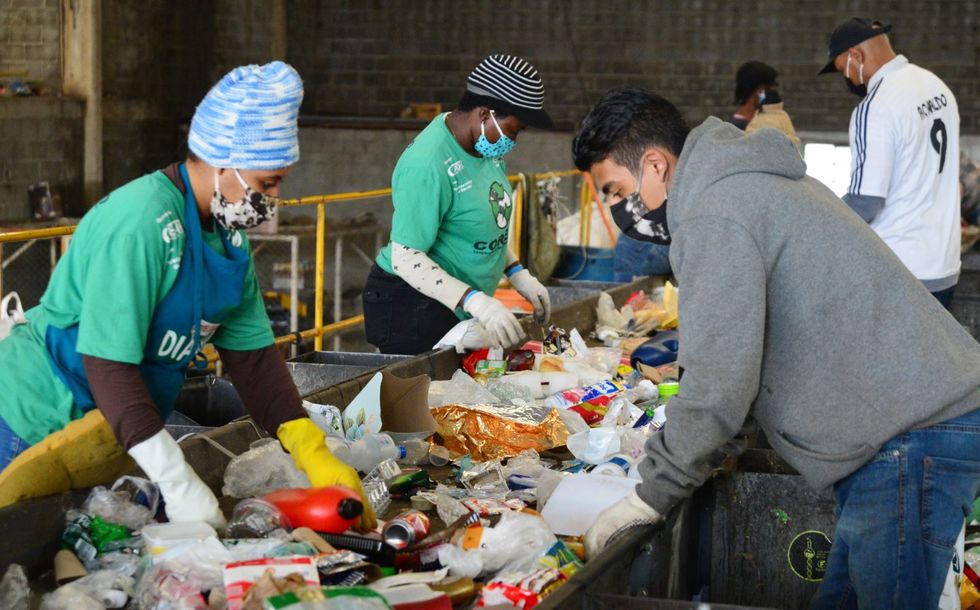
point(454, 169)
point(500, 204)
point(171, 231)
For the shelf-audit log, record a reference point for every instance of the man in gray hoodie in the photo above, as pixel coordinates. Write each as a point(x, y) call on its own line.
point(794, 316)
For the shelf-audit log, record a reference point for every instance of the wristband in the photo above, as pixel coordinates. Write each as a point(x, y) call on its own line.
point(515, 268)
point(469, 295)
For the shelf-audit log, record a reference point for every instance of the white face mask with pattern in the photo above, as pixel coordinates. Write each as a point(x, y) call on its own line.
point(250, 211)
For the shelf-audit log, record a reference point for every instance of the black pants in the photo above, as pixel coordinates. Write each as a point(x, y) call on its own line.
point(399, 319)
point(945, 296)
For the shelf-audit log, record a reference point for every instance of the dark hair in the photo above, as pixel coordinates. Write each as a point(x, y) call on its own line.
point(752, 75)
point(624, 124)
point(471, 100)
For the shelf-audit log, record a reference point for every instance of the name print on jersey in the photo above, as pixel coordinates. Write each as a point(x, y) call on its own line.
point(933, 104)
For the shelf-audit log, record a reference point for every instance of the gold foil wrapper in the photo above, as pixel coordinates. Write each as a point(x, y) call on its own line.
point(495, 432)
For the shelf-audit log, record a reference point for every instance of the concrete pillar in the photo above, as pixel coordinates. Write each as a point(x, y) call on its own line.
point(278, 49)
point(82, 78)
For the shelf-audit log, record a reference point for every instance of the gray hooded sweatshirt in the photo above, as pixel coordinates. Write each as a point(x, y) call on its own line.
point(794, 316)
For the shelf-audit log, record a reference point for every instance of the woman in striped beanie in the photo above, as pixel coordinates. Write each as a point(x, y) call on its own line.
point(156, 270)
point(453, 205)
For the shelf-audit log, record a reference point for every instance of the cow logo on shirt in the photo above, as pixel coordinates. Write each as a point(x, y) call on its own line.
point(500, 204)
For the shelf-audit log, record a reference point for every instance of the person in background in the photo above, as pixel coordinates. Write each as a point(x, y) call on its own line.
point(156, 270)
point(772, 115)
point(904, 136)
point(774, 335)
point(751, 81)
point(969, 190)
point(449, 232)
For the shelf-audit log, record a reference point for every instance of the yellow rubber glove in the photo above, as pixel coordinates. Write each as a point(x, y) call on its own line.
point(304, 441)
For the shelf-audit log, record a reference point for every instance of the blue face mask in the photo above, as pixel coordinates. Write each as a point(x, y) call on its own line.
point(501, 147)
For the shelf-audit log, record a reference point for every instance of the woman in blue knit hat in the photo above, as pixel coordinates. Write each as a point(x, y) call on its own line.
point(155, 271)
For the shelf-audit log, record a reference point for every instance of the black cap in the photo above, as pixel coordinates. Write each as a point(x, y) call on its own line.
point(852, 32)
point(350, 508)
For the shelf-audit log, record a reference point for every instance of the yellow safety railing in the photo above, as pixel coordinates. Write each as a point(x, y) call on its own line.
point(588, 197)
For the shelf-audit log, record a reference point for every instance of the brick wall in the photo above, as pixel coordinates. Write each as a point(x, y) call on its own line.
point(30, 40)
point(373, 58)
point(42, 140)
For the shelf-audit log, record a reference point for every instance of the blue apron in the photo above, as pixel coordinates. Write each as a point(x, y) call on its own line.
point(208, 288)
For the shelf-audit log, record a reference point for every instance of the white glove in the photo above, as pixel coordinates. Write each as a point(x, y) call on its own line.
point(628, 513)
point(503, 327)
point(186, 495)
point(535, 292)
point(467, 335)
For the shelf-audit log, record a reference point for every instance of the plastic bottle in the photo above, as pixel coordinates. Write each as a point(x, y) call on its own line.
point(339, 448)
point(372, 449)
point(413, 452)
point(617, 466)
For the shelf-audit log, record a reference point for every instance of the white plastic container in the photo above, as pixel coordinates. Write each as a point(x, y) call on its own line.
point(161, 537)
point(438, 455)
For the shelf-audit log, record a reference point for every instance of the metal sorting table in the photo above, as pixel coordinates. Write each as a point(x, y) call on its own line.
point(727, 537)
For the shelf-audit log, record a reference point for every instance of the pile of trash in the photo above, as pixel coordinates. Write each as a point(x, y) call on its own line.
point(485, 484)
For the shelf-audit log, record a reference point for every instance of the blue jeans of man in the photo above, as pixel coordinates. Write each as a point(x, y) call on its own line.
point(11, 445)
point(899, 517)
point(638, 258)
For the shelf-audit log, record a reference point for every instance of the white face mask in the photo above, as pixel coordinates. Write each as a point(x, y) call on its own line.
point(250, 211)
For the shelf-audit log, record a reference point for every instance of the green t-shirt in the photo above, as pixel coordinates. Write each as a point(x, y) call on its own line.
point(123, 260)
point(453, 206)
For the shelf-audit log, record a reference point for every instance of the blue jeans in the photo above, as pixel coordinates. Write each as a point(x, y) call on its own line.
point(899, 516)
point(11, 445)
point(637, 258)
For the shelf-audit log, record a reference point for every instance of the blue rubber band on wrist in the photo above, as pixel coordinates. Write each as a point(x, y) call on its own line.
point(469, 295)
point(515, 269)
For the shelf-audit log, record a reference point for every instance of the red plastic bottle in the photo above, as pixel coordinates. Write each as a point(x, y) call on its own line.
point(330, 510)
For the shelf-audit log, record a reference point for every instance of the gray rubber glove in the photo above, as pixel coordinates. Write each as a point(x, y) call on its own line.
point(503, 327)
point(186, 495)
point(535, 292)
point(616, 520)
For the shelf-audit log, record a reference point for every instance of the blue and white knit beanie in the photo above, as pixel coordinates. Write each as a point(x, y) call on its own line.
point(248, 120)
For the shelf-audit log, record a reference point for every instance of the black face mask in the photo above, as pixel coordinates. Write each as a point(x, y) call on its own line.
point(858, 90)
point(636, 221)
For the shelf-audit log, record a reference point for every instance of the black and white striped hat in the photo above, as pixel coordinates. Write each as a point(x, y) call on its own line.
point(514, 86)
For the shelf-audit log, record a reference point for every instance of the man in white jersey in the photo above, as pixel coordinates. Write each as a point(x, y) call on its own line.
point(904, 137)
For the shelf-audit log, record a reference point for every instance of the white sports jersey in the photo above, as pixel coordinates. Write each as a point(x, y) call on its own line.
point(905, 148)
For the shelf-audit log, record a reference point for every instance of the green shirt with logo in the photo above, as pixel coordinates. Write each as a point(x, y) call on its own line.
point(122, 262)
point(453, 206)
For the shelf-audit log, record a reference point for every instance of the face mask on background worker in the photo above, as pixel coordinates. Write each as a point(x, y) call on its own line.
point(861, 89)
point(635, 219)
point(250, 211)
point(488, 149)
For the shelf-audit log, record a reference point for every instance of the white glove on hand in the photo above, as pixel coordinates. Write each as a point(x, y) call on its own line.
point(186, 495)
point(535, 292)
point(503, 327)
point(629, 512)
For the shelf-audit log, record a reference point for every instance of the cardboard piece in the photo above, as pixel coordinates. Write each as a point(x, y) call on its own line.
point(363, 414)
point(405, 406)
point(579, 498)
point(67, 567)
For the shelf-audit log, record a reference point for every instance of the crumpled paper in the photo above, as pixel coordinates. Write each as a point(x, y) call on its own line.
point(494, 432)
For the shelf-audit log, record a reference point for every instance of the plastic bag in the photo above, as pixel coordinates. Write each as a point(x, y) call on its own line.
point(460, 390)
point(467, 335)
point(15, 592)
point(8, 318)
point(117, 507)
point(263, 468)
point(98, 590)
point(514, 545)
